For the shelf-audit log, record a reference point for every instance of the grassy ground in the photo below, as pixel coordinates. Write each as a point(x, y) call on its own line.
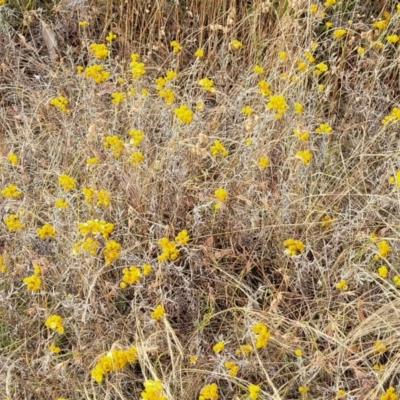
point(260, 227)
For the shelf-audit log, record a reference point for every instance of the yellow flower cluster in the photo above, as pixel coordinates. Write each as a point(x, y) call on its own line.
point(13, 158)
point(218, 148)
point(244, 349)
point(236, 44)
point(13, 223)
point(45, 231)
point(326, 221)
point(392, 38)
point(96, 227)
point(247, 110)
point(218, 347)
point(329, 3)
point(320, 68)
point(221, 194)
point(209, 392)
point(89, 244)
point(130, 276)
point(169, 249)
point(232, 368)
point(393, 117)
point(384, 249)
point(99, 50)
point(303, 136)
point(298, 108)
point(324, 128)
point(303, 389)
point(11, 191)
point(176, 47)
point(92, 160)
point(117, 97)
point(184, 114)
point(341, 285)
point(137, 68)
point(102, 196)
point(390, 394)
point(304, 155)
point(54, 349)
point(262, 335)
point(136, 158)
point(97, 73)
point(199, 53)
point(33, 282)
point(115, 144)
point(111, 36)
point(207, 84)
point(3, 267)
point(253, 391)
point(265, 88)
point(338, 33)
point(59, 102)
point(278, 104)
point(168, 95)
point(111, 251)
point(258, 70)
point(263, 162)
point(381, 24)
point(60, 203)
point(383, 271)
point(114, 360)
point(66, 182)
point(152, 390)
point(293, 247)
point(379, 347)
point(55, 323)
point(158, 312)
point(136, 136)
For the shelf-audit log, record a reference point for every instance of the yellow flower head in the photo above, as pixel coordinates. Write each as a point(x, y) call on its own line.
point(199, 53)
point(111, 36)
point(184, 114)
point(338, 33)
point(176, 47)
point(11, 191)
point(45, 231)
point(218, 347)
point(66, 182)
point(263, 162)
point(158, 312)
point(293, 246)
point(99, 50)
point(13, 158)
point(341, 285)
point(55, 323)
point(218, 148)
point(207, 84)
point(304, 155)
point(236, 45)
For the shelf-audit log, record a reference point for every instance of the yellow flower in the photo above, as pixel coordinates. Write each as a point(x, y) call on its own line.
point(338, 33)
point(130, 275)
point(82, 23)
point(176, 47)
point(207, 84)
point(193, 359)
point(236, 45)
point(137, 69)
point(340, 393)
point(169, 250)
point(115, 144)
point(232, 368)
point(103, 198)
point(326, 221)
point(97, 73)
point(218, 347)
point(60, 203)
point(99, 50)
point(3, 267)
point(96, 227)
point(303, 389)
point(264, 88)
point(329, 3)
point(146, 269)
point(383, 271)
point(379, 347)
point(221, 194)
point(136, 136)
point(54, 349)
point(393, 117)
point(378, 367)
point(136, 158)
point(33, 282)
point(170, 75)
point(298, 108)
point(263, 162)
point(258, 70)
point(298, 353)
point(209, 392)
point(253, 391)
point(263, 335)
point(361, 51)
point(282, 55)
point(249, 141)
point(182, 237)
point(293, 246)
point(158, 312)
point(328, 24)
point(184, 114)
point(380, 24)
point(308, 55)
point(304, 155)
point(117, 97)
point(303, 136)
point(45, 231)
point(218, 148)
point(341, 285)
point(244, 349)
point(199, 53)
point(390, 394)
point(320, 68)
point(89, 194)
point(321, 88)
point(168, 95)
point(152, 390)
point(13, 223)
point(120, 80)
point(324, 128)
point(79, 69)
point(11, 191)
point(313, 8)
point(59, 102)
point(301, 66)
point(55, 323)
point(111, 36)
point(13, 158)
point(278, 104)
point(384, 249)
point(392, 38)
point(396, 280)
point(247, 110)
point(111, 251)
point(92, 160)
point(66, 182)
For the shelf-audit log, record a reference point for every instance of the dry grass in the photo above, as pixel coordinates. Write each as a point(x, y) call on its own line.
point(234, 271)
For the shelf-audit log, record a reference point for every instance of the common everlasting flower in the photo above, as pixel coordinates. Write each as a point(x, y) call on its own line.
point(393, 117)
point(263, 162)
point(13, 223)
point(199, 53)
point(111, 36)
point(278, 104)
point(176, 47)
point(341, 285)
point(136, 136)
point(184, 114)
point(11, 191)
point(232, 368)
point(136, 158)
point(218, 347)
point(60, 203)
point(207, 84)
point(263, 335)
point(130, 276)
point(209, 392)
point(338, 33)
point(45, 231)
point(66, 182)
point(115, 144)
point(293, 247)
point(383, 271)
point(33, 282)
point(97, 73)
point(304, 155)
point(55, 323)
point(99, 50)
point(324, 128)
point(158, 312)
point(258, 70)
point(13, 158)
point(111, 251)
point(60, 102)
point(218, 148)
point(253, 391)
point(182, 237)
point(236, 44)
point(117, 97)
point(152, 390)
